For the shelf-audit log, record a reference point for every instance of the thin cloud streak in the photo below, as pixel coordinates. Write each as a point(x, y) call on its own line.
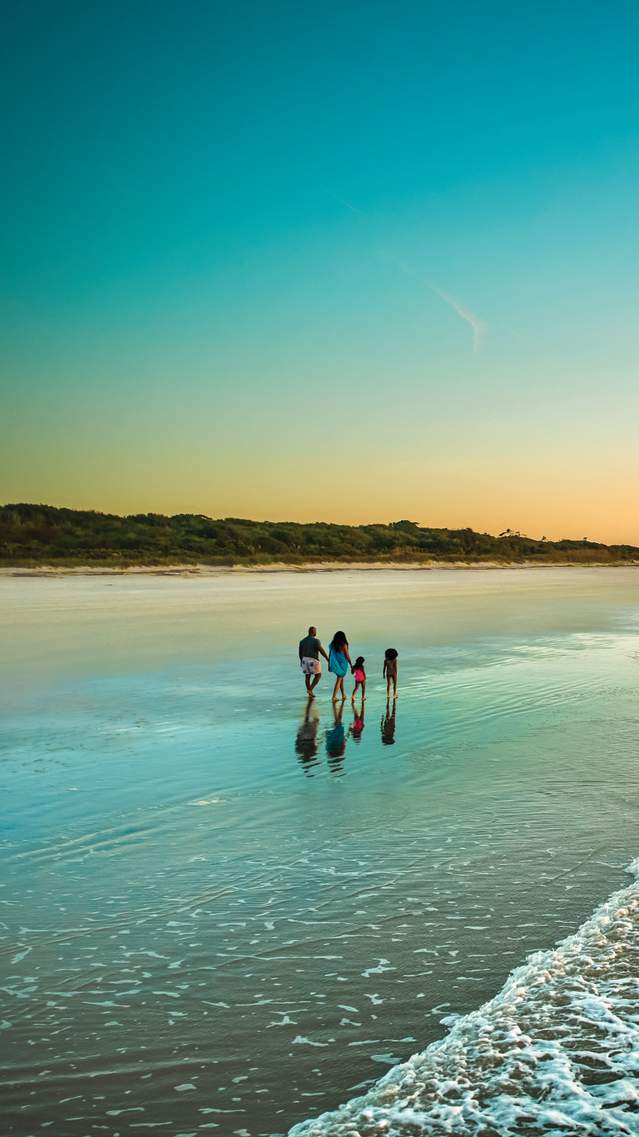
point(478, 326)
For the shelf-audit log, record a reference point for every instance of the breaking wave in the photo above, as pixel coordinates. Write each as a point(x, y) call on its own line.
point(556, 1051)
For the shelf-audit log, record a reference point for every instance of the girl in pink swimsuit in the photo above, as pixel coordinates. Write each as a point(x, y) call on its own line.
point(359, 675)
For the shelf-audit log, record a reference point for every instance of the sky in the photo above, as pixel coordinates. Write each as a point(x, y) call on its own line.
point(342, 261)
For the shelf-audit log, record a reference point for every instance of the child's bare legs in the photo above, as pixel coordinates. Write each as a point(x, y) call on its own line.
point(394, 687)
point(363, 690)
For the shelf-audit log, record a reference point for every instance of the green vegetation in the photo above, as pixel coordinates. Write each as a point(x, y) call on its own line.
point(43, 535)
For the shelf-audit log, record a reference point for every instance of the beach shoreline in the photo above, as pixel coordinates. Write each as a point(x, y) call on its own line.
point(204, 570)
point(159, 750)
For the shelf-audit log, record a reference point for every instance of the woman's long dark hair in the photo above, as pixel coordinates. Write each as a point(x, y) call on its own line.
point(339, 641)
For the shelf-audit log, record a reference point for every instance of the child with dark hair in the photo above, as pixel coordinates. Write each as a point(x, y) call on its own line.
point(390, 671)
point(359, 675)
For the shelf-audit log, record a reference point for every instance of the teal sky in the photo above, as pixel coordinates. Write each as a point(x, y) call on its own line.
point(347, 261)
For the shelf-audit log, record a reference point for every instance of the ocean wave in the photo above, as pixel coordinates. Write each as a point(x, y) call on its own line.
point(556, 1051)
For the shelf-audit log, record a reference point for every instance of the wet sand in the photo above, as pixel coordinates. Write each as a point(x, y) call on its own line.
point(220, 908)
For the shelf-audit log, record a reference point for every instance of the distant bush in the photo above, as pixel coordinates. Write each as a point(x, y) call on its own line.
point(41, 534)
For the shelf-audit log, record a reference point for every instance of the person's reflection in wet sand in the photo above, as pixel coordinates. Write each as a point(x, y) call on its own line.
point(306, 745)
point(336, 740)
point(357, 726)
point(388, 724)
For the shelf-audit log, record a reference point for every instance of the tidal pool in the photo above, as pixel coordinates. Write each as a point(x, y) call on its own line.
point(221, 910)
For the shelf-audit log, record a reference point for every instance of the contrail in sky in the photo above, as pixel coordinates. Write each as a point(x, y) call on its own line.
point(477, 326)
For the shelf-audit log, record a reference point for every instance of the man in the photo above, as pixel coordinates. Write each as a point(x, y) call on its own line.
point(310, 650)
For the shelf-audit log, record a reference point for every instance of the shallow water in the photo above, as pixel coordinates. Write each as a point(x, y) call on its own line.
point(219, 913)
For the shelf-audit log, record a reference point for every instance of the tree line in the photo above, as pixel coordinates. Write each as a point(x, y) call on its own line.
point(44, 534)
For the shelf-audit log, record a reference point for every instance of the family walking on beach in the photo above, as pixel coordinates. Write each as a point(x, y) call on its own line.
point(339, 662)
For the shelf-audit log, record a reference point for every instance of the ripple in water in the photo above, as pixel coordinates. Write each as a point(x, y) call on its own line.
point(556, 1051)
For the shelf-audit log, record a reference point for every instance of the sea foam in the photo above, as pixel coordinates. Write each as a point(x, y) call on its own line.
point(556, 1051)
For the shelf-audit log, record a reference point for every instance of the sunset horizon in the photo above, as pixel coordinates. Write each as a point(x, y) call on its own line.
point(383, 267)
point(433, 520)
point(352, 523)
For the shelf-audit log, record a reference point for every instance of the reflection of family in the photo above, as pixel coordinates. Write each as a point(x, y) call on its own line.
point(336, 736)
point(339, 662)
point(388, 724)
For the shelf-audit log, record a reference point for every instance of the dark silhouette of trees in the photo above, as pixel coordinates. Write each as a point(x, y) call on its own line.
point(42, 534)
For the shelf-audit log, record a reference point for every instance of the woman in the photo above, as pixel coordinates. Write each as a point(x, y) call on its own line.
point(339, 662)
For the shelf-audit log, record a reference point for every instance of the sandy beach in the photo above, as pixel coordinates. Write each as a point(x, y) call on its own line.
point(203, 570)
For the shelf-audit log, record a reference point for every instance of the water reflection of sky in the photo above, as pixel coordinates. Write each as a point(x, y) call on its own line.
point(210, 883)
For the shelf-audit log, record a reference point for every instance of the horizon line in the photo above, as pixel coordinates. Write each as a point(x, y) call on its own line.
point(505, 534)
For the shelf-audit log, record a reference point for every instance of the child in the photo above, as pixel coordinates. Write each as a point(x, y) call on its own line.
point(390, 671)
point(360, 677)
